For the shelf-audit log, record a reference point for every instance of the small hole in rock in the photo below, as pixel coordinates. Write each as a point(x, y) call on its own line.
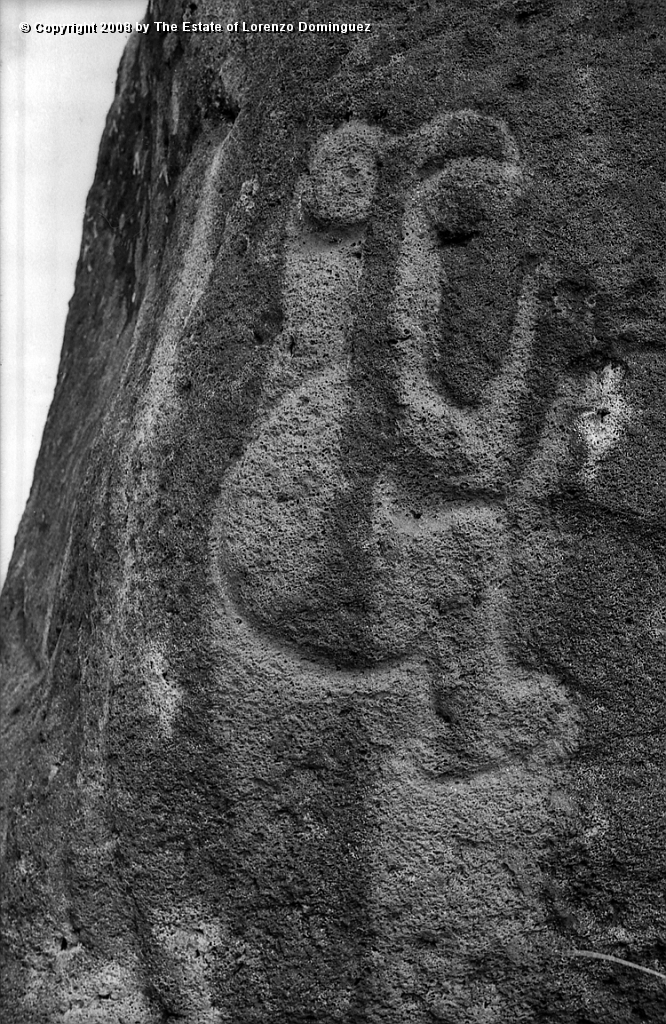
point(459, 238)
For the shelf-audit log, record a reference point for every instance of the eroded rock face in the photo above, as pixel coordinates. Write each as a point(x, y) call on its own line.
point(333, 638)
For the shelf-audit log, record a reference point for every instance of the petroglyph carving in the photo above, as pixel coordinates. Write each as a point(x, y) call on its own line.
point(295, 516)
point(286, 549)
point(405, 558)
point(449, 208)
point(343, 176)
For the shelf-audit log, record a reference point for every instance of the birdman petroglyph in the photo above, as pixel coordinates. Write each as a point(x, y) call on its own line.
point(353, 563)
point(361, 547)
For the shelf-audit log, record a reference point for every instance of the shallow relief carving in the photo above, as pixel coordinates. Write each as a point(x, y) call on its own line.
point(293, 522)
point(390, 584)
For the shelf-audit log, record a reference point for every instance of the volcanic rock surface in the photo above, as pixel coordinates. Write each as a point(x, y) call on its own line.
point(333, 642)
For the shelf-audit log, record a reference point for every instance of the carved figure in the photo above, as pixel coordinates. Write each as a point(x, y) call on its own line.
point(297, 523)
point(359, 578)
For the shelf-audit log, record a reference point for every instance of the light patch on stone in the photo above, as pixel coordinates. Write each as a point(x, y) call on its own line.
point(54, 591)
point(656, 622)
point(321, 278)
point(249, 189)
point(343, 175)
point(160, 391)
point(163, 697)
point(160, 395)
point(603, 419)
point(87, 991)
point(175, 101)
point(194, 942)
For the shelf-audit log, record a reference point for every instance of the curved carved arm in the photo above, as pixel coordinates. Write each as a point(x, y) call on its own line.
point(433, 218)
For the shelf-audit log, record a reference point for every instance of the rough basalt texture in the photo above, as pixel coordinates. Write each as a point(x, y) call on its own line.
point(333, 640)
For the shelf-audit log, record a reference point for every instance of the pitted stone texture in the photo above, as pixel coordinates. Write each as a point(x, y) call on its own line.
point(343, 176)
point(276, 512)
point(404, 601)
point(287, 556)
point(332, 649)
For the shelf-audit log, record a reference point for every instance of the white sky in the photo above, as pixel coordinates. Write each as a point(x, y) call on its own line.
point(55, 94)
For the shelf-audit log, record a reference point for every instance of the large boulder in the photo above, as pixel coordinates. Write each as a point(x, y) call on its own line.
point(333, 640)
